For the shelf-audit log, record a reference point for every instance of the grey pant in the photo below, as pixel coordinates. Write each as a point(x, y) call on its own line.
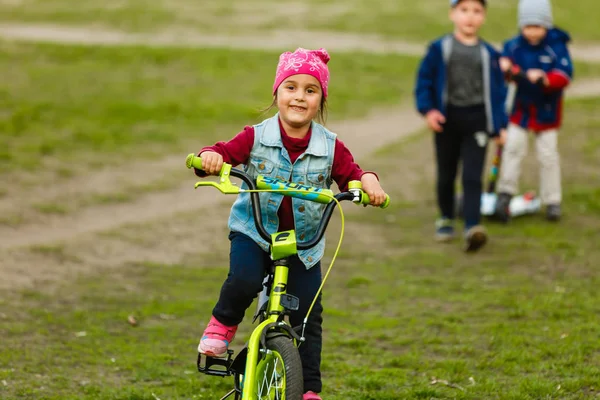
point(515, 150)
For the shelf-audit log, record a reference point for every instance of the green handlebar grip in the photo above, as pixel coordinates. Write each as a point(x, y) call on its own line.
point(366, 201)
point(386, 203)
point(193, 161)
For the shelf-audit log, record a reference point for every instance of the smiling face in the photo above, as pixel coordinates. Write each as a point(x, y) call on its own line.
point(298, 100)
point(468, 16)
point(534, 34)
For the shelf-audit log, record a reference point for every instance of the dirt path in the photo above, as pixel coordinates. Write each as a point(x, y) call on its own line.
point(273, 40)
point(363, 136)
point(164, 227)
point(581, 89)
point(171, 225)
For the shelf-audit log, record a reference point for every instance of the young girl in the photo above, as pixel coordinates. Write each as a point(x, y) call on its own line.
point(293, 147)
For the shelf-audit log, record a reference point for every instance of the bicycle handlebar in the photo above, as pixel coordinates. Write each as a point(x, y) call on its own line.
point(319, 195)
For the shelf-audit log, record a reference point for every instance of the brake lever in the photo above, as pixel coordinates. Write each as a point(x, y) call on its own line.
point(224, 185)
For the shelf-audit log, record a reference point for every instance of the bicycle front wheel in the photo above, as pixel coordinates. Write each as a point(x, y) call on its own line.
point(279, 372)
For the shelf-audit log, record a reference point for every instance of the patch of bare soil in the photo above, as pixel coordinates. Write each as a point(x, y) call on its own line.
point(584, 88)
point(159, 227)
point(272, 40)
point(362, 136)
point(18, 199)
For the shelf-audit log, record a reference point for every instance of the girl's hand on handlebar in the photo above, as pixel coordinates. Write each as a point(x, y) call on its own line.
point(373, 189)
point(212, 162)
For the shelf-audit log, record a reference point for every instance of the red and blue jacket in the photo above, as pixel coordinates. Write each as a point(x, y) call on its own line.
point(540, 108)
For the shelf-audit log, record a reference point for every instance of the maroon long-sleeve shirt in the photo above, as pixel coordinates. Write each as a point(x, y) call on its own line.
point(237, 151)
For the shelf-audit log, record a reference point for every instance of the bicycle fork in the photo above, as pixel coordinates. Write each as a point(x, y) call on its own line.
point(277, 304)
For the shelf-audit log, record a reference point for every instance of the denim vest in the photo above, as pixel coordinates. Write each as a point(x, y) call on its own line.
point(269, 158)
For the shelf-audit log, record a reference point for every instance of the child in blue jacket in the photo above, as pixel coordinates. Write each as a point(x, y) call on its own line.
point(461, 90)
point(540, 50)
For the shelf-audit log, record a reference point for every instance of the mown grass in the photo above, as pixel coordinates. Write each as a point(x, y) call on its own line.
point(421, 19)
point(405, 317)
point(68, 108)
point(417, 20)
point(70, 105)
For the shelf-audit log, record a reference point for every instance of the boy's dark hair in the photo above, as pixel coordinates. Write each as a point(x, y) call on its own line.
point(454, 3)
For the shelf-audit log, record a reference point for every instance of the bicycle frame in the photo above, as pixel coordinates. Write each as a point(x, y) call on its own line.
point(272, 318)
point(283, 246)
point(275, 313)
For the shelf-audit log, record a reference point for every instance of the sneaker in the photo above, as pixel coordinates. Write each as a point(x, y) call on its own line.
point(503, 207)
point(475, 238)
point(311, 396)
point(444, 230)
point(216, 338)
point(553, 212)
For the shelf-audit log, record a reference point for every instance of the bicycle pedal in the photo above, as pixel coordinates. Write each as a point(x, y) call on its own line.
point(214, 365)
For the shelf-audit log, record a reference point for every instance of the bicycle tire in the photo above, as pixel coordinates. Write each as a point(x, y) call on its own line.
point(279, 371)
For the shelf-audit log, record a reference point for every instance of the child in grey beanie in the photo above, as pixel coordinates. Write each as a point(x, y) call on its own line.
point(535, 12)
point(540, 51)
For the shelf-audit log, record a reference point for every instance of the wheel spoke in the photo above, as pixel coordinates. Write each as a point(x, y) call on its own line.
point(272, 381)
point(279, 371)
point(276, 381)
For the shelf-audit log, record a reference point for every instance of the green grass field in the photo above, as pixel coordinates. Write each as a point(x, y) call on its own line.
point(102, 105)
point(405, 318)
point(105, 104)
point(517, 321)
point(404, 20)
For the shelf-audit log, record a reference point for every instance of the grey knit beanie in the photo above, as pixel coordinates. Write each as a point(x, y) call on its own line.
point(535, 12)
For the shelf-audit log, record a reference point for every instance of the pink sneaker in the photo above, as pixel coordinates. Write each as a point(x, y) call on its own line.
point(216, 338)
point(311, 396)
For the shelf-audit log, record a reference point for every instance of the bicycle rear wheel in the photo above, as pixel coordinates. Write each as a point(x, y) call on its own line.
point(279, 372)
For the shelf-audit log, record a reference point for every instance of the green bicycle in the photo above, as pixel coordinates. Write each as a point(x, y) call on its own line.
point(269, 366)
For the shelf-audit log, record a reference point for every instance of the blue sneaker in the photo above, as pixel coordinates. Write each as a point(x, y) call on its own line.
point(444, 230)
point(475, 238)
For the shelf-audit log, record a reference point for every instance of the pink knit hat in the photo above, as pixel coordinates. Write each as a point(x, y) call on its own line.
point(303, 61)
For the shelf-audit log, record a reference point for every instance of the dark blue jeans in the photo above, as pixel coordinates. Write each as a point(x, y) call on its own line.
point(248, 263)
point(463, 139)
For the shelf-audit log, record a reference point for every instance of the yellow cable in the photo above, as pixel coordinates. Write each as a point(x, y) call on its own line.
point(337, 250)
